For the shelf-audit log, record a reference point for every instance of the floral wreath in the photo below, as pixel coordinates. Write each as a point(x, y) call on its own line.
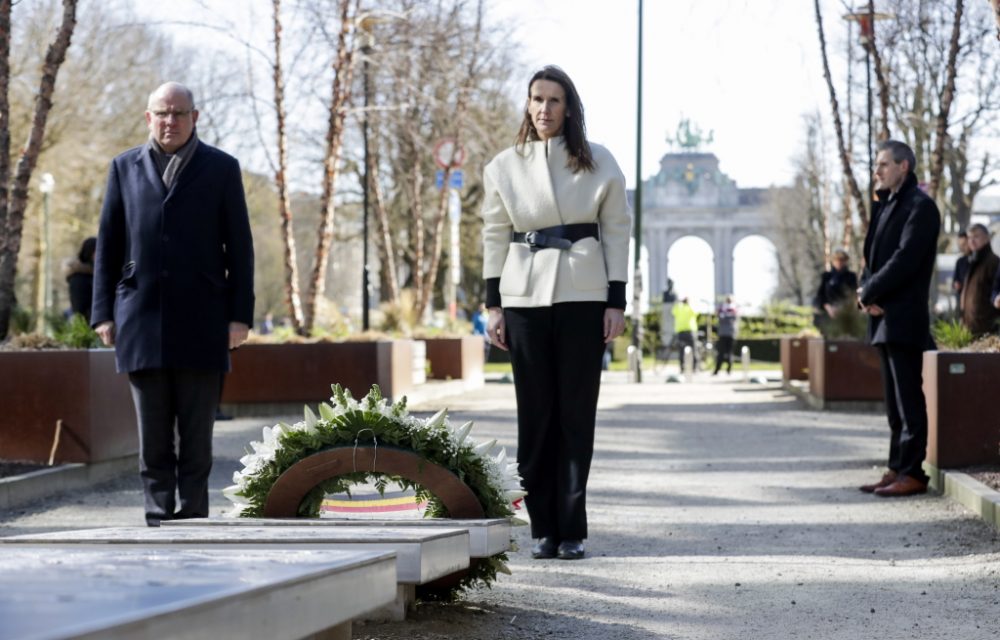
point(493, 479)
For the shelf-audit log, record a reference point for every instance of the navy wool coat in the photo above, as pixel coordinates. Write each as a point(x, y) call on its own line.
point(900, 253)
point(173, 268)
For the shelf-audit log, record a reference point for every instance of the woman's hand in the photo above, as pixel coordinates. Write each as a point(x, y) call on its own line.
point(496, 328)
point(614, 324)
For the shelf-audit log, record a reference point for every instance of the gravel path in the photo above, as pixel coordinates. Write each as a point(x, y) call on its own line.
point(717, 510)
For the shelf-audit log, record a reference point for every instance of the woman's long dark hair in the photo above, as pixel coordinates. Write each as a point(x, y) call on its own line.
point(574, 128)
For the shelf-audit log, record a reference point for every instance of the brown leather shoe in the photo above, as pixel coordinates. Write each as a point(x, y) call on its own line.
point(888, 478)
point(903, 486)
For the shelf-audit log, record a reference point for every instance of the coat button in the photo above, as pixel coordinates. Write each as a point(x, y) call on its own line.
point(166, 238)
point(164, 273)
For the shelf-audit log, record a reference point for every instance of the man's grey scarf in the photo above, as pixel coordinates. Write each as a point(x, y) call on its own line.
point(170, 165)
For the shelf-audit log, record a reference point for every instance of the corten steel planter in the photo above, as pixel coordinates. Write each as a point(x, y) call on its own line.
point(79, 387)
point(456, 358)
point(302, 373)
point(844, 371)
point(963, 419)
point(794, 358)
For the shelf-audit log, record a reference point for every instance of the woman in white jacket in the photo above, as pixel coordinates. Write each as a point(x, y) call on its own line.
point(555, 259)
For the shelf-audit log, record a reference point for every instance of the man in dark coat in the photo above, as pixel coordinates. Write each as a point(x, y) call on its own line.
point(978, 313)
point(836, 287)
point(900, 253)
point(961, 269)
point(173, 292)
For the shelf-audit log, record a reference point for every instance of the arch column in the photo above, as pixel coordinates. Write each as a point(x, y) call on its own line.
point(722, 246)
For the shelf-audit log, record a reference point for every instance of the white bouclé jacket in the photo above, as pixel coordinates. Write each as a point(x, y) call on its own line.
point(532, 188)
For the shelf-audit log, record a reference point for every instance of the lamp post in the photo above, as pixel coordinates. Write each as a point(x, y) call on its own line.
point(46, 185)
point(866, 17)
point(637, 222)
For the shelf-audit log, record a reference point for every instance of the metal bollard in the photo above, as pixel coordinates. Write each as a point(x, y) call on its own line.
point(745, 357)
point(633, 363)
point(688, 364)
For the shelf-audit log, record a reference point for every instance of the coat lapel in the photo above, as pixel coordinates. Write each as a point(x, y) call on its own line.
point(189, 172)
point(149, 169)
point(533, 204)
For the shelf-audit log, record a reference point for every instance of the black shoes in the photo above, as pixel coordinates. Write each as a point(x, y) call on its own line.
point(570, 550)
point(549, 547)
point(546, 548)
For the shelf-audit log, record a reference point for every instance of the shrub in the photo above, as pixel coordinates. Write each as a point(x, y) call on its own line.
point(951, 334)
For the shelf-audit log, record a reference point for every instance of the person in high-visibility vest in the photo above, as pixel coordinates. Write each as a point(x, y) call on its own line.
point(685, 328)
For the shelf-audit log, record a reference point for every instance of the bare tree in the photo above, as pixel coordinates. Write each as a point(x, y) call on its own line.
point(430, 273)
point(951, 126)
point(340, 95)
point(423, 96)
point(881, 78)
point(946, 99)
point(293, 297)
point(845, 159)
point(804, 219)
point(14, 192)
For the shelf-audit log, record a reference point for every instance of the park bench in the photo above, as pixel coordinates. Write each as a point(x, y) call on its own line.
point(421, 556)
point(132, 593)
point(487, 537)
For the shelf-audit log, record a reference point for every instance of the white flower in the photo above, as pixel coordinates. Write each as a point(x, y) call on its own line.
point(462, 433)
point(311, 419)
point(232, 493)
point(484, 448)
point(437, 419)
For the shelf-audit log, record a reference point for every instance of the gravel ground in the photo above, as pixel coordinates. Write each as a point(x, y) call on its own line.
point(717, 510)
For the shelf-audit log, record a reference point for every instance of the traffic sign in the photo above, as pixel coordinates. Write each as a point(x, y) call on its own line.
point(455, 180)
point(449, 153)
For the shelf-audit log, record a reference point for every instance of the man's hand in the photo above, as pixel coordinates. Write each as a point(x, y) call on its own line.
point(831, 310)
point(614, 324)
point(873, 310)
point(106, 332)
point(238, 333)
point(496, 328)
point(996, 302)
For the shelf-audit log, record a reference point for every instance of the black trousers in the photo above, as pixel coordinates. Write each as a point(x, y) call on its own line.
point(902, 379)
point(176, 412)
point(556, 355)
point(724, 353)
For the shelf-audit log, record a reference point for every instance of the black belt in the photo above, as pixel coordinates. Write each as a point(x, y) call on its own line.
point(561, 237)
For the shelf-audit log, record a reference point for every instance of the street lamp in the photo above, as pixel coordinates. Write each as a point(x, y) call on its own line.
point(46, 185)
point(637, 222)
point(866, 17)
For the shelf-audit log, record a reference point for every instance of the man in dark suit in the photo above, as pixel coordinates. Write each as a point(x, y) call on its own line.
point(173, 292)
point(900, 252)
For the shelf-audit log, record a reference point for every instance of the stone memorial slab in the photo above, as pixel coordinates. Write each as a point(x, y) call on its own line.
point(486, 537)
point(421, 555)
point(128, 593)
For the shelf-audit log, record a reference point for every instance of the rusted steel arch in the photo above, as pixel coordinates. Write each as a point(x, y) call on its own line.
point(297, 481)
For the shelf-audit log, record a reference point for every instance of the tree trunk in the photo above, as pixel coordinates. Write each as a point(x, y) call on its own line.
point(947, 96)
point(292, 295)
point(343, 69)
point(390, 276)
point(12, 206)
point(880, 78)
point(845, 159)
point(5, 6)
